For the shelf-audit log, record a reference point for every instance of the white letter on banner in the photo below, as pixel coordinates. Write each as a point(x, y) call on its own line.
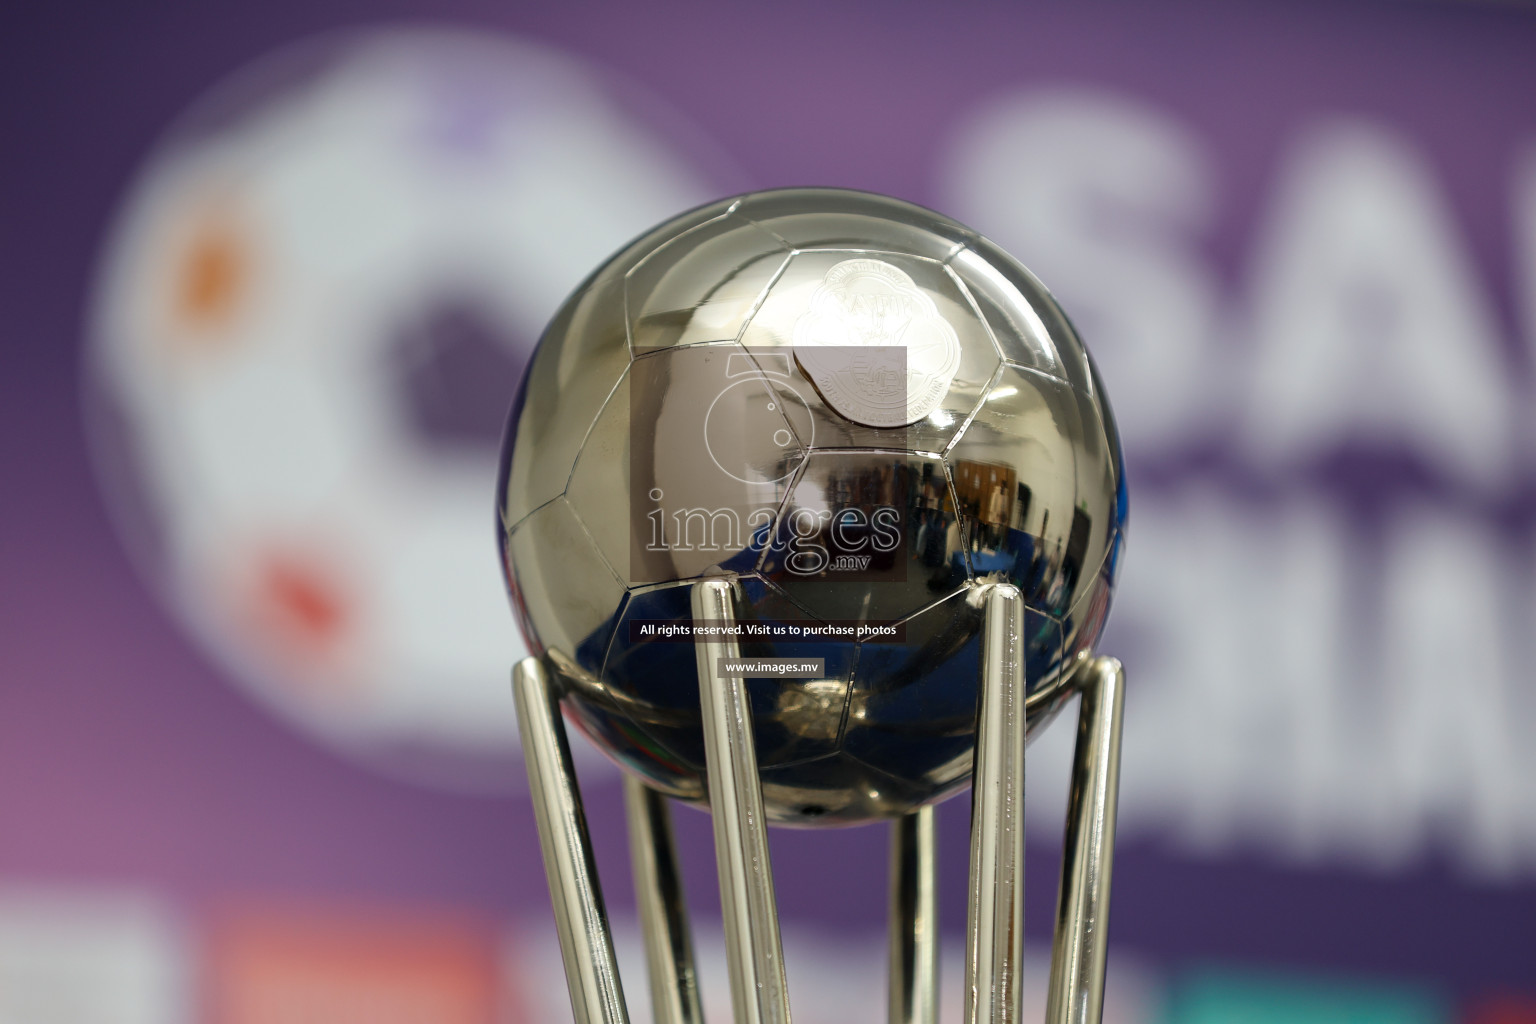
point(1105, 199)
point(1454, 721)
point(1369, 322)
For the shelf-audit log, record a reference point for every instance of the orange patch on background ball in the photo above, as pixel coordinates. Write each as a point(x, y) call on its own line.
point(214, 273)
point(304, 610)
point(307, 604)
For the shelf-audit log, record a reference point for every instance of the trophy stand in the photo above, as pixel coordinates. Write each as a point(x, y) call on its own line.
point(759, 994)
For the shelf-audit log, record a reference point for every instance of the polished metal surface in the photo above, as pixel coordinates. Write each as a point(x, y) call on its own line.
point(747, 391)
point(754, 954)
point(663, 911)
point(834, 428)
point(994, 961)
point(1076, 992)
point(913, 996)
point(586, 944)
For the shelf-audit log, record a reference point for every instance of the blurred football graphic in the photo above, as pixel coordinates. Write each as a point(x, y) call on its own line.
point(319, 292)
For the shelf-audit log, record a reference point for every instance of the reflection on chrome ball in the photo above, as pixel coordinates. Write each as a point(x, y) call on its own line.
point(859, 410)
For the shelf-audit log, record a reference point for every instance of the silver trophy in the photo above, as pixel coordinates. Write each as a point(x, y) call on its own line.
point(811, 506)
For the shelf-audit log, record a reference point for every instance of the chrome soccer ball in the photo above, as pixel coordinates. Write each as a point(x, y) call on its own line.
point(861, 412)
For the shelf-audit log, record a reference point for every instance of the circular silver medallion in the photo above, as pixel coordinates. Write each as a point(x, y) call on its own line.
point(875, 345)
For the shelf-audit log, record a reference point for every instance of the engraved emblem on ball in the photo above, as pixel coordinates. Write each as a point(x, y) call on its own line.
point(875, 346)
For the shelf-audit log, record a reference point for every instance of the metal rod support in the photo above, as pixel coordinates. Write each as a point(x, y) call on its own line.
point(1076, 993)
point(663, 910)
point(914, 955)
point(995, 923)
point(759, 992)
point(586, 944)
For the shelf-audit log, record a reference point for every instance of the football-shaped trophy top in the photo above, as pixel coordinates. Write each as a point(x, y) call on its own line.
point(861, 412)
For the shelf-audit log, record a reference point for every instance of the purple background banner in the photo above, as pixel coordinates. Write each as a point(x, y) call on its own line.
point(1300, 239)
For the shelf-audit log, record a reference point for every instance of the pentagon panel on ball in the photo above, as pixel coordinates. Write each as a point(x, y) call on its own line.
point(860, 414)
